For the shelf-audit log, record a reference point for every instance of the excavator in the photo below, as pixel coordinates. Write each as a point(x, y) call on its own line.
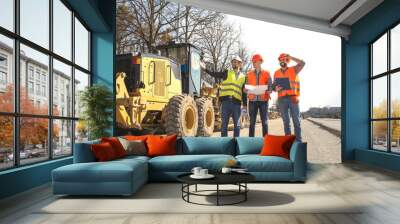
point(165, 93)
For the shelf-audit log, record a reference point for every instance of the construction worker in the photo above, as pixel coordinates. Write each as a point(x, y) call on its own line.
point(255, 77)
point(288, 97)
point(232, 98)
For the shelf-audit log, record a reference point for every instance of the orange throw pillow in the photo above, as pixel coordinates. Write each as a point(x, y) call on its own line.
point(159, 145)
point(277, 145)
point(103, 152)
point(136, 137)
point(116, 145)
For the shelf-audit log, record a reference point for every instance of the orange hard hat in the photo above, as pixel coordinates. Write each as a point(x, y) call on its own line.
point(256, 57)
point(283, 57)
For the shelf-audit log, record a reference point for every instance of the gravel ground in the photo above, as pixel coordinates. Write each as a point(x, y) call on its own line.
point(322, 146)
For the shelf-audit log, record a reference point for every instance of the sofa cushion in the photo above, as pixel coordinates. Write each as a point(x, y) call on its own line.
point(208, 145)
point(159, 145)
point(112, 171)
point(257, 163)
point(103, 152)
point(117, 146)
point(133, 147)
point(277, 145)
point(185, 163)
point(249, 145)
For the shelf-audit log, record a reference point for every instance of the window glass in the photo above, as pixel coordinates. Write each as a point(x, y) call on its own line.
point(81, 45)
point(395, 94)
point(39, 62)
point(395, 47)
point(379, 56)
point(34, 21)
point(81, 131)
point(62, 137)
point(395, 136)
point(7, 14)
point(33, 139)
point(6, 74)
point(62, 29)
point(379, 135)
point(379, 98)
point(62, 91)
point(81, 82)
point(6, 142)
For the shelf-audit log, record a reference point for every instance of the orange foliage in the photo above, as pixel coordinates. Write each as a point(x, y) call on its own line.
point(33, 130)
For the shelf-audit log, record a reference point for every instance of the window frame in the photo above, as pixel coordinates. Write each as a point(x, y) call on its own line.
point(388, 74)
point(16, 114)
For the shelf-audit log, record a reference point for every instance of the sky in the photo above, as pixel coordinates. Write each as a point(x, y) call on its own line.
point(320, 80)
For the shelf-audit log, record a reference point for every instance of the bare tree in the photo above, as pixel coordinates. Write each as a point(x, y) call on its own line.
point(219, 41)
point(144, 23)
point(244, 54)
point(191, 21)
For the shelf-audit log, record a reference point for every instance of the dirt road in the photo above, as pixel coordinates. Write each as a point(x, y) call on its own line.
point(322, 146)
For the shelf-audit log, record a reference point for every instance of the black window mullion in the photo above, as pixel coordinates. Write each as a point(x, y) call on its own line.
point(73, 82)
point(16, 85)
point(50, 79)
point(389, 100)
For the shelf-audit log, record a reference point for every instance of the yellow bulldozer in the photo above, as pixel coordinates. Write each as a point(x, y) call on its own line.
point(165, 92)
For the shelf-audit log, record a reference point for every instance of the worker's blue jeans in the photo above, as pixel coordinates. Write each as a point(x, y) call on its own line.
point(254, 106)
point(228, 109)
point(286, 107)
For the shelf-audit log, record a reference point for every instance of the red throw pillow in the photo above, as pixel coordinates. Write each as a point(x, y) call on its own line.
point(116, 145)
point(103, 152)
point(159, 145)
point(277, 145)
point(136, 137)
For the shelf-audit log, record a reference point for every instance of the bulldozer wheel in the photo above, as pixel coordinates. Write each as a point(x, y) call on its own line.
point(181, 116)
point(206, 117)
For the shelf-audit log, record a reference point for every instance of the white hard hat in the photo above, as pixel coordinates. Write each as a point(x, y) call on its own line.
point(237, 58)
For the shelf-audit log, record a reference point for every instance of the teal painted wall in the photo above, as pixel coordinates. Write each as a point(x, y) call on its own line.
point(24, 178)
point(103, 53)
point(356, 83)
point(99, 15)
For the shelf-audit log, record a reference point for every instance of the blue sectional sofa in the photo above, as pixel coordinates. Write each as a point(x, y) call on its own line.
point(125, 176)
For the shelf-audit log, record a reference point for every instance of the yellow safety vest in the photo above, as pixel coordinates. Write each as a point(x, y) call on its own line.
point(232, 86)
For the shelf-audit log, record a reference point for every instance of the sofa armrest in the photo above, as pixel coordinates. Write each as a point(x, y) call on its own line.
point(298, 155)
point(83, 152)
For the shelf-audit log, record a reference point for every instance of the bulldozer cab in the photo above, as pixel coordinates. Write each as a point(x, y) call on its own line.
point(189, 57)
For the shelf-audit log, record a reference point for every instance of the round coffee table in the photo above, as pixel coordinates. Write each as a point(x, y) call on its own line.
point(238, 179)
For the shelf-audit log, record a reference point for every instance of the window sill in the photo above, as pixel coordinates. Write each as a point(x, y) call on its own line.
point(30, 166)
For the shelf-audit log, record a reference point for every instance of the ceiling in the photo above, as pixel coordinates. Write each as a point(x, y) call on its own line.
point(326, 16)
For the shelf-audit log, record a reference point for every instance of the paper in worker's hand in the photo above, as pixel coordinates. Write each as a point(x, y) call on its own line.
point(256, 90)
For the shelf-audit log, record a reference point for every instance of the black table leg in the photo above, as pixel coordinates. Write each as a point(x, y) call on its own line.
point(245, 193)
point(217, 194)
point(196, 188)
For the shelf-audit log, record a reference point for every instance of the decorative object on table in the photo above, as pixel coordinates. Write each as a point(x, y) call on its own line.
point(97, 110)
point(200, 173)
point(226, 170)
point(229, 170)
point(231, 163)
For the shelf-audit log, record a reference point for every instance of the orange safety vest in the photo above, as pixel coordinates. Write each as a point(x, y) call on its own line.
point(294, 82)
point(263, 79)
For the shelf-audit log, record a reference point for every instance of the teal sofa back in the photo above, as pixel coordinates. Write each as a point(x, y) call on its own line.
point(249, 145)
point(207, 145)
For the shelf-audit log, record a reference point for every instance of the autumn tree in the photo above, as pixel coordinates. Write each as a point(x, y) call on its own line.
point(33, 131)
